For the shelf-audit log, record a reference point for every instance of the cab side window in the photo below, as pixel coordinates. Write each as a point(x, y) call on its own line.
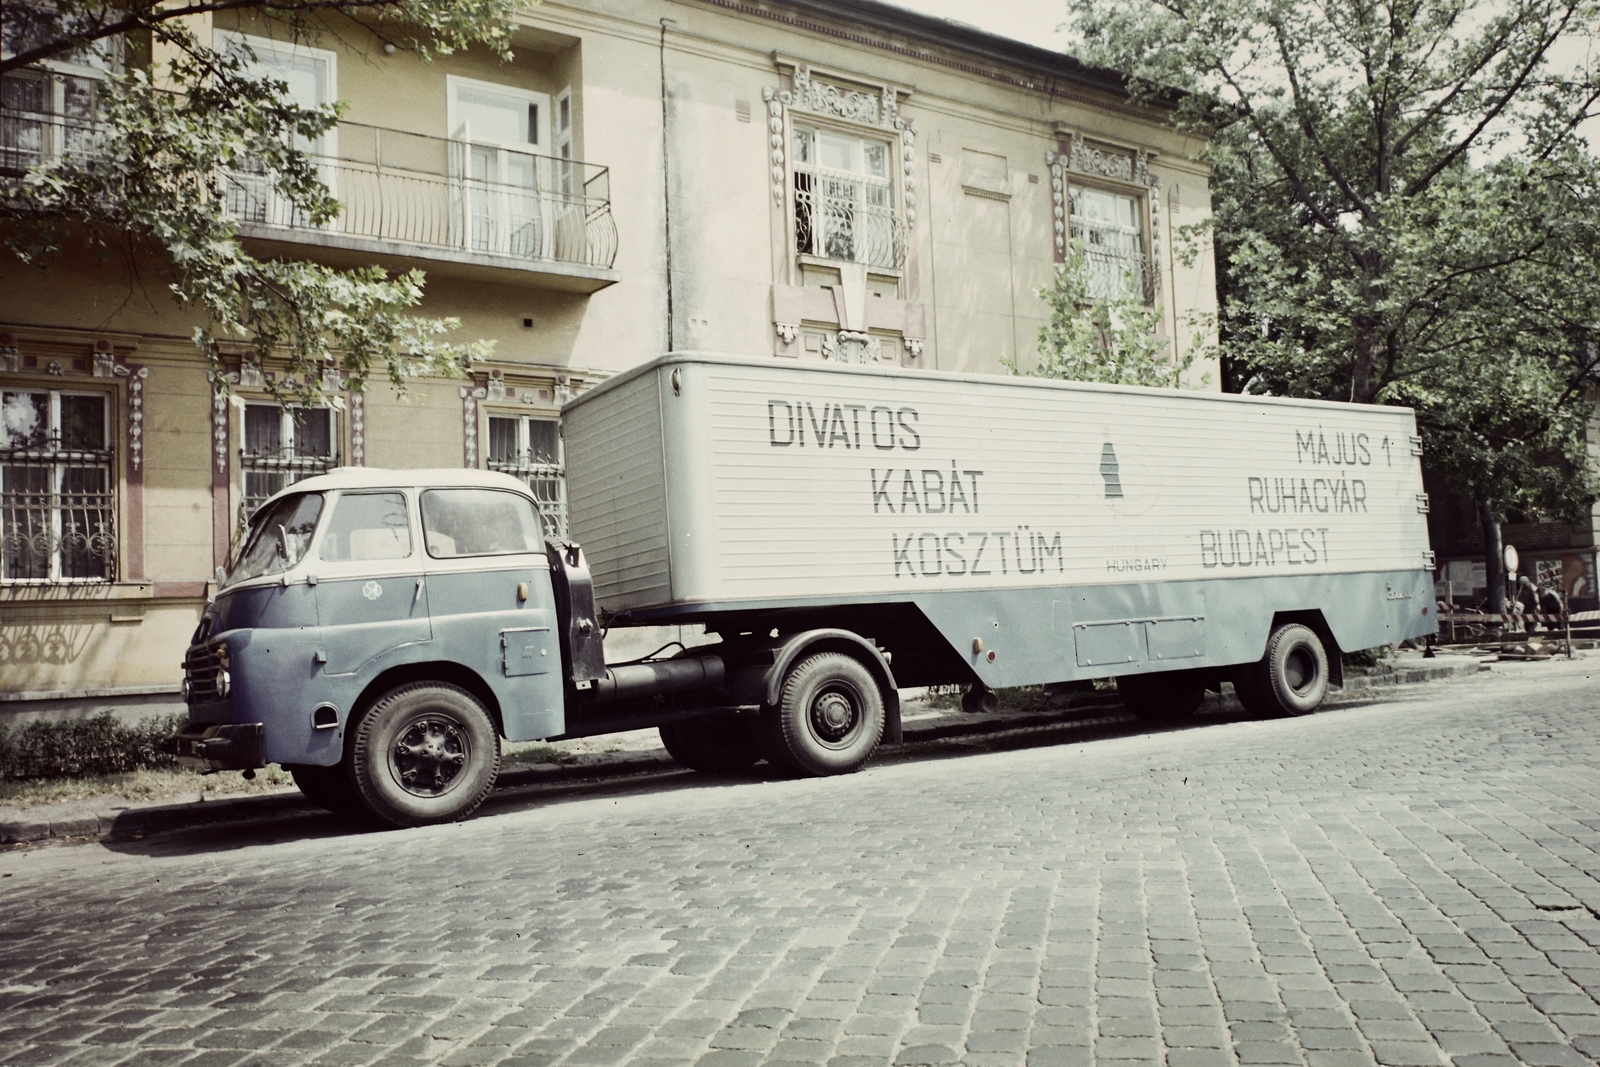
point(479, 522)
point(368, 526)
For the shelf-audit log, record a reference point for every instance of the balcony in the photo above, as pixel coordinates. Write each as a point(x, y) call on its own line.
point(465, 209)
point(450, 207)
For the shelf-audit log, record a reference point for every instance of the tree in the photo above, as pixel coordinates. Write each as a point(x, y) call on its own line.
point(167, 135)
point(1405, 213)
point(1107, 339)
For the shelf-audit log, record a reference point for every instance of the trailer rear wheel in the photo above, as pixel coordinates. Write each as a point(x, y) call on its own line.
point(329, 788)
point(1292, 678)
point(1163, 697)
point(720, 745)
point(425, 753)
point(830, 716)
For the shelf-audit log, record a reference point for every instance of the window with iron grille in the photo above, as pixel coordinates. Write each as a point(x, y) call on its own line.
point(58, 521)
point(529, 449)
point(50, 109)
point(283, 445)
point(844, 204)
point(1107, 227)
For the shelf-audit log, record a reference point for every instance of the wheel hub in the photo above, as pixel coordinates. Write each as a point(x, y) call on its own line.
point(428, 756)
point(1299, 670)
point(833, 716)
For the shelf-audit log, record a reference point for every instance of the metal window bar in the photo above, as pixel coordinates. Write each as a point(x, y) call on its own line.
point(1113, 249)
point(267, 472)
point(548, 482)
point(1113, 270)
point(58, 516)
point(847, 216)
point(282, 447)
point(529, 450)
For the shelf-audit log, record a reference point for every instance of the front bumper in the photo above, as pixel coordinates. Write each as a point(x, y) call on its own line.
point(219, 747)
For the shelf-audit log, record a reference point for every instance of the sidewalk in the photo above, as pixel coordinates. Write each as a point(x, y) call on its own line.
point(115, 818)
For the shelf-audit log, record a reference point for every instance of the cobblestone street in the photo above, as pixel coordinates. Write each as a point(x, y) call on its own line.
point(1409, 881)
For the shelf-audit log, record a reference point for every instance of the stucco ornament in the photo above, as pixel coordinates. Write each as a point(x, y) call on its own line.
point(219, 430)
point(849, 346)
point(358, 430)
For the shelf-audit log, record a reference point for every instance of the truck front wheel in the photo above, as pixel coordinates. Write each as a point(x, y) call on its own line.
point(425, 753)
point(720, 745)
point(829, 717)
point(1291, 679)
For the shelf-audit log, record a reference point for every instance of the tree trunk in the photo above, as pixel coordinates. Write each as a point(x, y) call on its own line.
point(1493, 555)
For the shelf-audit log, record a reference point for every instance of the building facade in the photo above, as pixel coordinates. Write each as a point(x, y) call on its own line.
point(801, 179)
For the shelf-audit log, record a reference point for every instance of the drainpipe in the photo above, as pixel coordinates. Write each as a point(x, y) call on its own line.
point(666, 181)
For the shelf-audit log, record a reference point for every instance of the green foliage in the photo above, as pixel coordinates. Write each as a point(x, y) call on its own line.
point(1111, 340)
point(158, 179)
point(1404, 212)
point(101, 745)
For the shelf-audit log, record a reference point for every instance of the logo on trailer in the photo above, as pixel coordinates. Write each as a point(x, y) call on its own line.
point(1109, 471)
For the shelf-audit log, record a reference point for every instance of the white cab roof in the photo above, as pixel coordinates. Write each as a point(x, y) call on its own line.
point(382, 478)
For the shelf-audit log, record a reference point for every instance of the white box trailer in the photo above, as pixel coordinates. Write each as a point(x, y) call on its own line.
point(998, 530)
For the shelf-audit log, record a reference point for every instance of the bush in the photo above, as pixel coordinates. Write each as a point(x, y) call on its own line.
point(101, 745)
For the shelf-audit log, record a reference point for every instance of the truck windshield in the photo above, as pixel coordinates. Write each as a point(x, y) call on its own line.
point(278, 537)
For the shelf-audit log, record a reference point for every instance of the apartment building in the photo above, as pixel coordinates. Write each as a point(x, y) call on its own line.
point(800, 179)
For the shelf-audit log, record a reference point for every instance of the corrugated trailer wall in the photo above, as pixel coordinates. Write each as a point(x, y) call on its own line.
point(824, 482)
point(617, 491)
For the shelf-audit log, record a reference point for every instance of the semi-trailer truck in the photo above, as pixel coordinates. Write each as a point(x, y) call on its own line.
point(839, 533)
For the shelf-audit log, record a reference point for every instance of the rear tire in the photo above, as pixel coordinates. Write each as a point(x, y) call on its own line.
point(1249, 693)
point(329, 788)
point(1164, 697)
point(715, 745)
point(425, 753)
point(1291, 679)
point(829, 718)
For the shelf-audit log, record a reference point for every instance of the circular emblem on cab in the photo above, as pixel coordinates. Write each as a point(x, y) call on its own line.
point(372, 590)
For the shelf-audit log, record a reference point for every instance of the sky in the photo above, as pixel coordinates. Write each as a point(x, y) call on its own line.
point(1038, 22)
point(1033, 21)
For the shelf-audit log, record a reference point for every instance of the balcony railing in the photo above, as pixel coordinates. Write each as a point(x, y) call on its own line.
point(1111, 271)
point(445, 194)
point(841, 216)
point(427, 192)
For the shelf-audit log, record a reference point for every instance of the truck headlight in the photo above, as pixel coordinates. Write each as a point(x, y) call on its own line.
point(224, 683)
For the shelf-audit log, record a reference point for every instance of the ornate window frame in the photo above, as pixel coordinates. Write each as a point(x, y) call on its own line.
point(847, 103)
point(859, 106)
point(1119, 169)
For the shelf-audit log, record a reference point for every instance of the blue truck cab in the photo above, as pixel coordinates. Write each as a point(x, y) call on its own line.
point(353, 586)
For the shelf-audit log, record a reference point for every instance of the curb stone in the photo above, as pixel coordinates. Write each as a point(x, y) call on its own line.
point(125, 821)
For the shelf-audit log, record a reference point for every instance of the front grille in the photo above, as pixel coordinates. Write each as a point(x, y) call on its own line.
point(203, 668)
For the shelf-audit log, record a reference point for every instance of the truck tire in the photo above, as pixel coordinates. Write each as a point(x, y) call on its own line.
point(426, 752)
point(329, 788)
point(715, 745)
point(1291, 679)
point(829, 717)
point(1163, 697)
